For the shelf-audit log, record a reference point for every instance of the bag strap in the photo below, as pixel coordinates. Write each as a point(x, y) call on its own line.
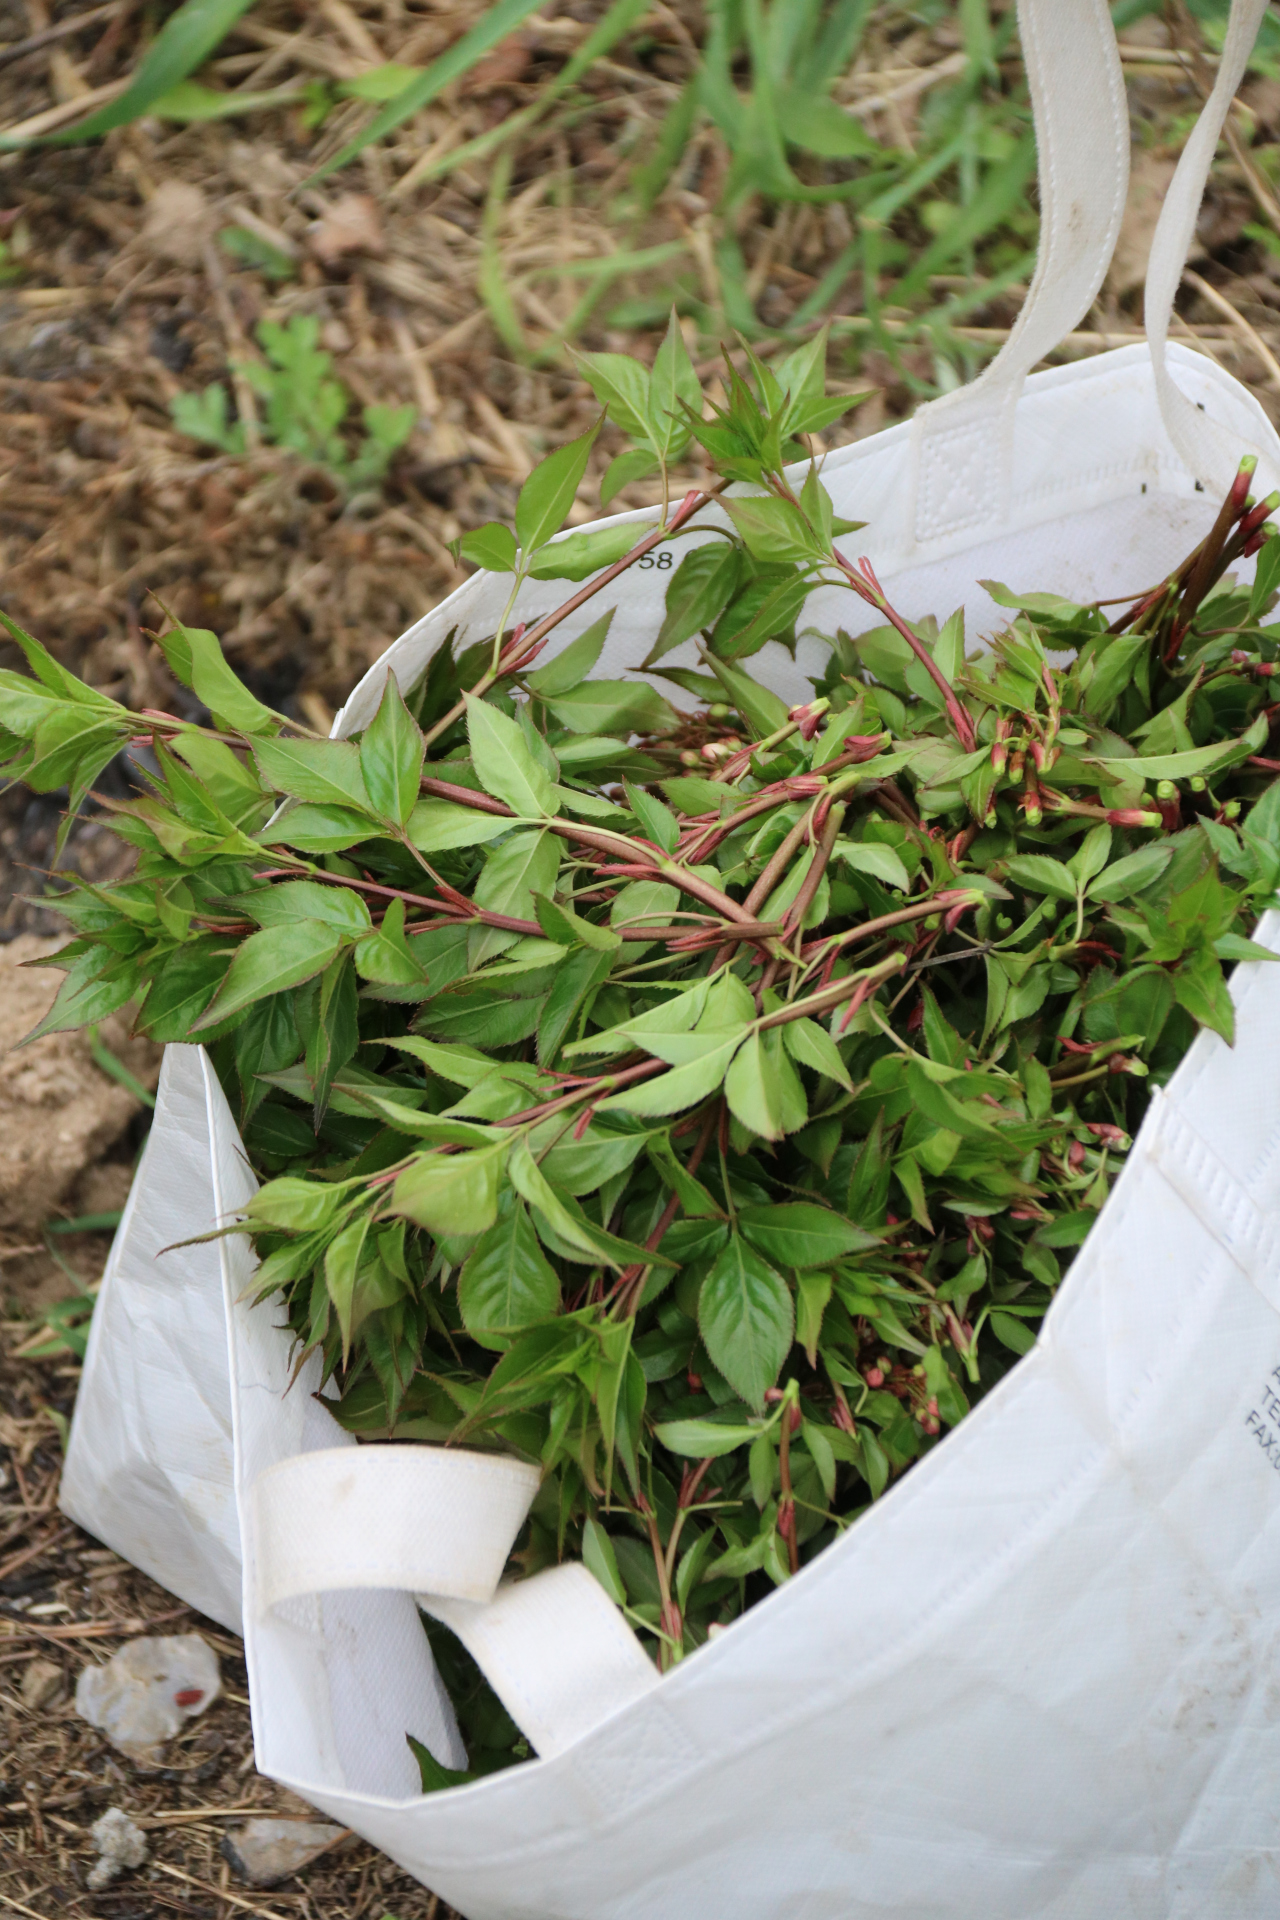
point(1209, 451)
point(963, 442)
point(440, 1523)
point(555, 1650)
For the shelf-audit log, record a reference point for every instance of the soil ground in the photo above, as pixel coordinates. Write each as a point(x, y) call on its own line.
point(116, 296)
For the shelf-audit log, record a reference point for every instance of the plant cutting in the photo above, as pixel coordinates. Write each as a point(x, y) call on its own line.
point(702, 1103)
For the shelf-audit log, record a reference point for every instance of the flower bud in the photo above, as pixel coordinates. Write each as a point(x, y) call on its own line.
point(1166, 790)
point(1133, 817)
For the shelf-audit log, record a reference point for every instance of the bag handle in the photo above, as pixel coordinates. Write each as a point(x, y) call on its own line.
point(440, 1523)
point(963, 442)
point(1209, 451)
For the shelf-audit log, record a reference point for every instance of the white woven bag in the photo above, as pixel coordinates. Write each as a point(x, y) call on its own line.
point(1041, 1676)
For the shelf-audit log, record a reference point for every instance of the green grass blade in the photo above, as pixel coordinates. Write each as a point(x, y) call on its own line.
point(1001, 191)
point(460, 58)
point(618, 21)
point(491, 280)
point(186, 38)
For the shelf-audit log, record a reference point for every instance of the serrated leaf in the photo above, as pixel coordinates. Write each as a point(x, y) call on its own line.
point(803, 1234)
point(290, 901)
point(763, 1089)
point(197, 660)
point(1042, 875)
point(657, 822)
point(437, 826)
point(452, 1192)
point(319, 829)
point(504, 763)
point(271, 962)
point(325, 771)
point(391, 755)
point(507, 1282)
point(813, 1047)
point(682, 1087)
point(747, 1320)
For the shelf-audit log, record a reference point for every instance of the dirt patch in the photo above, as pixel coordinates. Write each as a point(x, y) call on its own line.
point(65, 1601)
point(60, 1113)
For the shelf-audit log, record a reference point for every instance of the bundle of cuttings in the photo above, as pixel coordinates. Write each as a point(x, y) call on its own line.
point(702, 1102)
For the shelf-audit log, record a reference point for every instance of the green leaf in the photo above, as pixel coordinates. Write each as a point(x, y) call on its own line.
point(701, 587)
point(505, 765)
point(286, 902)
point(525, 864)
point(295, 1206)
point(763, 712)
point(1012, 1333)
point(657, 821)
point(492, 547)
point(197, 660)
point(803, 1234)
point(598, 1555)
point(571, 990)
point(507, 1282)
point(575, 556)
point(1042, 875)
point(435, 1776)
point(1136, 871)
point(621, 385)
point(438, 826)
point(187, 37)
point(883, 863)
point(341, 1264)
point(573, 663)
point(773, 530)
point(613, 706)
point(452, 1192)
point(636, 464)
point(270, 962)
point(683, 1087)
point(747, 1320)
point(385, 957)
point(763, 1089)
point(813, 1292)
point(673, 385)
point(813, 1047)
point(324, 771)
point(573, 1233)
point(318, 829)
point(550, 491)
point(391, 754)
point(1175, 766)
point(568, 928)
point(704, 1439)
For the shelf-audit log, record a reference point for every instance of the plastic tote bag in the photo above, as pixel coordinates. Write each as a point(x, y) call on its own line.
point(1041, 1676)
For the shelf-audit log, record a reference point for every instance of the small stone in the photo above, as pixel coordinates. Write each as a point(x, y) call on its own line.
point(145, 1692)
point(179, 221)
point(264, 1852)
point(41, 1685)
point(120, 1846)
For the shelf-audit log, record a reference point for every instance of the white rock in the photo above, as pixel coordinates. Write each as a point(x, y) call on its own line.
point(145, 1692)
point(120, 1845)
point(266, 1851)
